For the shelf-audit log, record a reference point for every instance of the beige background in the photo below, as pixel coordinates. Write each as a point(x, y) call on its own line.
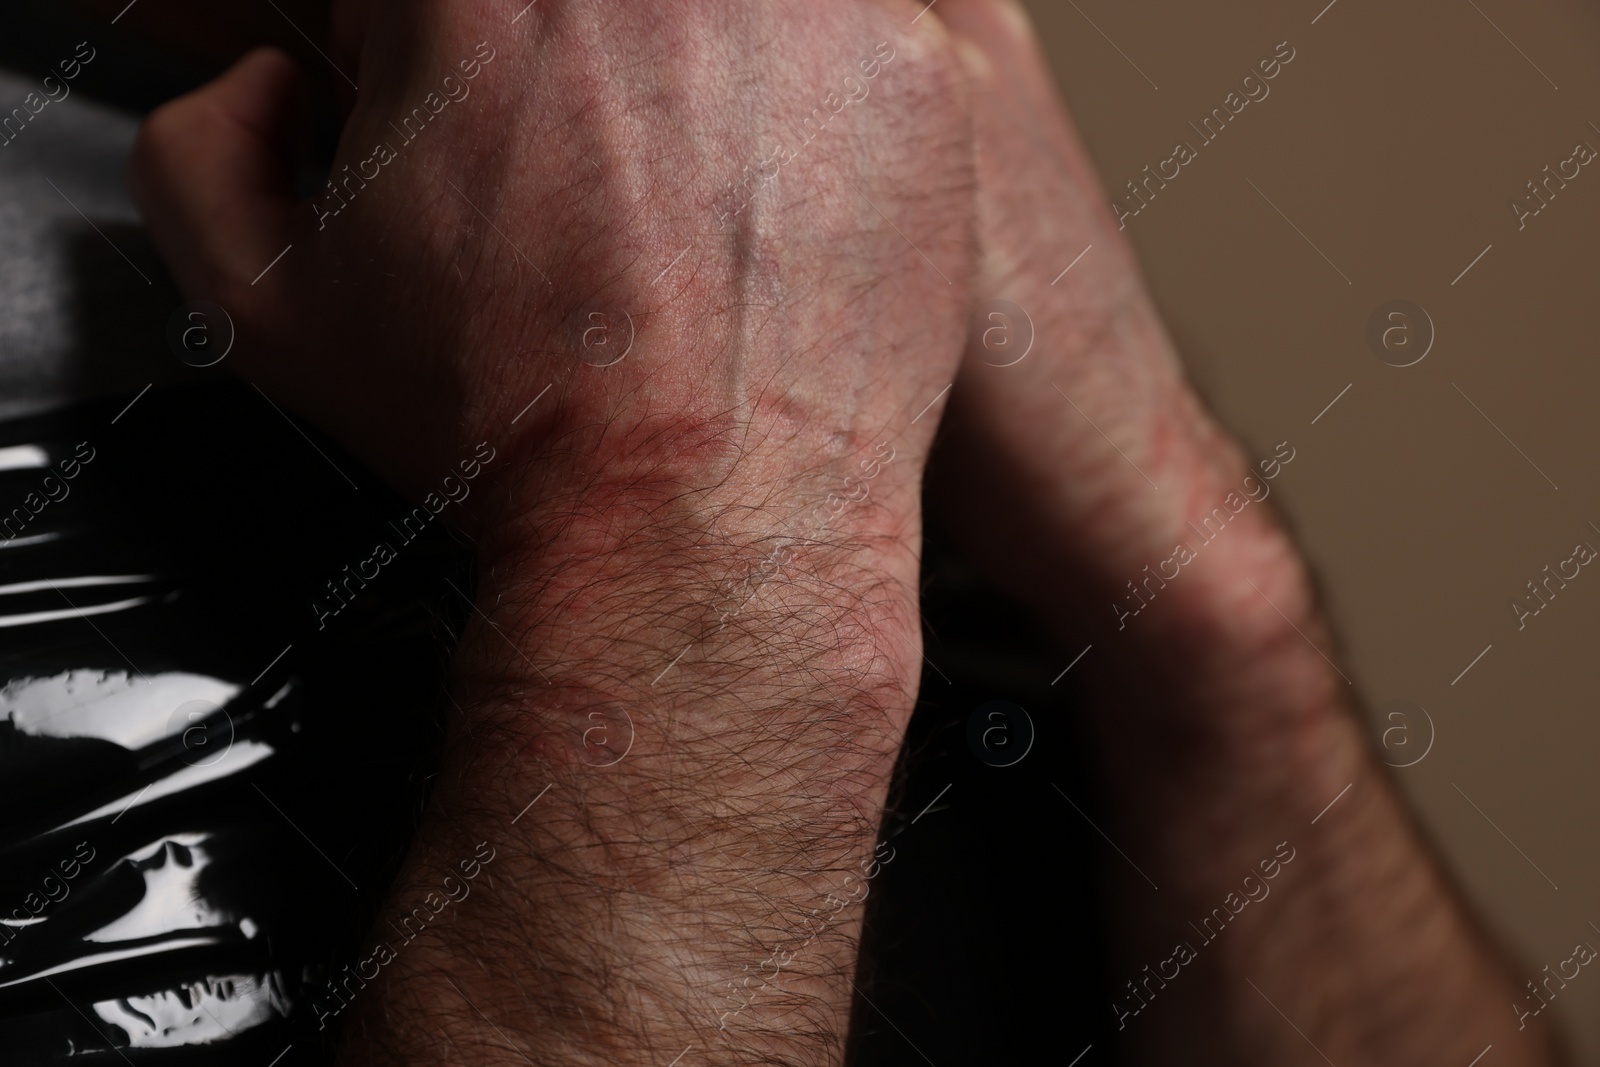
point(1395, 141)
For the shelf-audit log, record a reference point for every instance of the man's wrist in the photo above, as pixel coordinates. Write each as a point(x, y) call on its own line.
point(650, 585)
point(1232, 657)
point(676, 823)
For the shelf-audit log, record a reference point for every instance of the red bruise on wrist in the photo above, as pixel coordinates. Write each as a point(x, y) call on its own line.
point(617, 607)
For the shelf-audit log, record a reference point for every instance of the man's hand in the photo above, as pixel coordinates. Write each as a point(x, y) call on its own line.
point(1222, 733)
point(694, 272)
point(511, 200)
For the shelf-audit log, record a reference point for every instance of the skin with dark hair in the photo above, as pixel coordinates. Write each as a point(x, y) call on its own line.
point(1221, 730)
point(710, 543)
point(706, 548)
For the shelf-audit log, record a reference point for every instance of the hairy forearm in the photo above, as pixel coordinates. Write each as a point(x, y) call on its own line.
point(1085, 474)
point(703, 715)
point(593, 264)
point(1233, 742)
point(1221, 727)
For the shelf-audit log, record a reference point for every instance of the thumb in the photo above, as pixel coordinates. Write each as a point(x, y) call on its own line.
point(212, 174)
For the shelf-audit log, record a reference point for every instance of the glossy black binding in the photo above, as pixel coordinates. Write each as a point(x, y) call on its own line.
point(202, 790)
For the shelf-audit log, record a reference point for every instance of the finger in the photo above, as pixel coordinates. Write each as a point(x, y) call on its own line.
point(212, 174)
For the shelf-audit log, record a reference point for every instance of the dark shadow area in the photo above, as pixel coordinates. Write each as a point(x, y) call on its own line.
point(125, 73)
point(118, 321)
point(982, 943)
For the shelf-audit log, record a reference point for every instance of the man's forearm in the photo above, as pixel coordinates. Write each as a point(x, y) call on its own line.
point(676, 737)
point(1221, 729)
point(1083, 471)
point(698, 641)
point(1291, 875)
